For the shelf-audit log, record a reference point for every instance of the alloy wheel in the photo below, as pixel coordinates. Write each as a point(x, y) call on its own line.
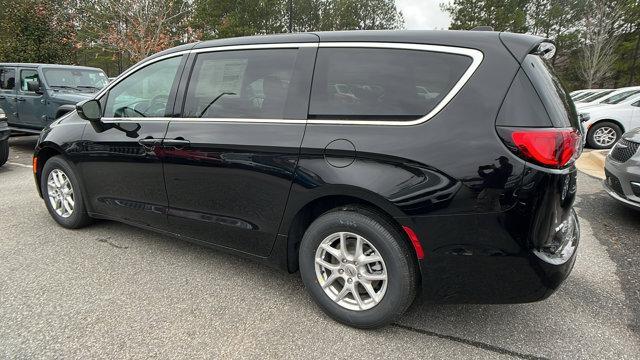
point(351, 271)
point(60, 193)
point(605, 136)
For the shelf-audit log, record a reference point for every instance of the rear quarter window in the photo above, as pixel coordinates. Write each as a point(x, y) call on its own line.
point(385, 84)
point(555, 98)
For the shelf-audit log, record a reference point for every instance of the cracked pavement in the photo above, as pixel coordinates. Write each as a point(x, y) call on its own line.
point(115, 291)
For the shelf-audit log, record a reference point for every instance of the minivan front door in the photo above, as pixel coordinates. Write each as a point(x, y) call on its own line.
point(229, 161)
point(31, 105)
point(120, 161)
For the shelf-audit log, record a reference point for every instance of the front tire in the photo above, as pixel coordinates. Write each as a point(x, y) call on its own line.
point(357, 268)
point(4, 151)
point(62, 194)
point(603, 135)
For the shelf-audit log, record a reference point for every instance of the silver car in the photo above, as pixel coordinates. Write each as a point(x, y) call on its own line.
point(622, 170)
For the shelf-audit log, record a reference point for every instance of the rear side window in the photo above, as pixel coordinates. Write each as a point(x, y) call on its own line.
point(386, 84)
point(7, 79)
point(597, 96)
point(250, 84)
point(556, 100)
point(620, 97)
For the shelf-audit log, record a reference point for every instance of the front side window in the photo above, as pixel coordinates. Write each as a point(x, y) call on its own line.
point(251, 84)
point(396, 84)
point(144, 93)
point(76, 79)
point(26, 77)
point(7, 79)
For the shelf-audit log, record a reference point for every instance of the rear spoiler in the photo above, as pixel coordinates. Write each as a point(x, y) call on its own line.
point(521, 45)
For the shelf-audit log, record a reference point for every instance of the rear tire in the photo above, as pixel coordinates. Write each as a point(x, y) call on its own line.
point(62, 194)
point(4, 151)
point(603, 135)
point(368, 303)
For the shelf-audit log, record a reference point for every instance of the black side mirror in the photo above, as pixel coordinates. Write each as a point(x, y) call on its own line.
point(34, 86)
point(89, 110)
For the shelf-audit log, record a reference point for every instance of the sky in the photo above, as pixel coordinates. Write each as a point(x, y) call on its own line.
point(423, 14)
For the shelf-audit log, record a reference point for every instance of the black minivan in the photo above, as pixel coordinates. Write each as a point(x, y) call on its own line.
point(380, 164)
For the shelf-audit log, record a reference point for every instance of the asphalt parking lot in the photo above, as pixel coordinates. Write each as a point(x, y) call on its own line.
point(114, 291)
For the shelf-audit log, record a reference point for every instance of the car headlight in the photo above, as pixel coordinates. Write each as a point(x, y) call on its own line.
point(584, 117)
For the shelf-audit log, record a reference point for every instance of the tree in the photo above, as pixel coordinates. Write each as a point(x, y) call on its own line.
point(225, 18)
point(505, 15)
point(135, 28)
point(599, 38)
point(37, 31)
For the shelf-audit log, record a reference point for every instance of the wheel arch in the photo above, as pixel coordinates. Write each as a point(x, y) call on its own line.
point(614, 121)
point(43, 153)
point(295, 225)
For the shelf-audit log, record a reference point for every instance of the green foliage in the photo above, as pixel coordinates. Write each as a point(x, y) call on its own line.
point(227, 18)
point(37, 31)
point(505, 15)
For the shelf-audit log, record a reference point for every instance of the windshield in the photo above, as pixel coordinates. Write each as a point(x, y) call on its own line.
point(583, 95)
point(597, 96)
point(80, 79)
point(620, 97)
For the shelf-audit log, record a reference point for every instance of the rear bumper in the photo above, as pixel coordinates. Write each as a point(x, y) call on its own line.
point(519, 255)
point(508, 272)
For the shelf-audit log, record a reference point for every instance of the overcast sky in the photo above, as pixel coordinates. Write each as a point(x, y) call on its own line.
point(423, 14)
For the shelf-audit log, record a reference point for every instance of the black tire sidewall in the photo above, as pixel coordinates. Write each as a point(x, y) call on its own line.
point(4, 151)
point(400, 269)
point(79, 216)
point(592, 130)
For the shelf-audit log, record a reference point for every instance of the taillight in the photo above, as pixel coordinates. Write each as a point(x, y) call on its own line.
point(549, 147)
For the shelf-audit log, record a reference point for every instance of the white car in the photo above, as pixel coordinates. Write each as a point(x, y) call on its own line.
point(605, 123)
point(597, 96)
point(613, 97)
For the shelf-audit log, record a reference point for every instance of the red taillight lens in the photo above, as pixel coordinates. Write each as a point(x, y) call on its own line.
point(555, 148)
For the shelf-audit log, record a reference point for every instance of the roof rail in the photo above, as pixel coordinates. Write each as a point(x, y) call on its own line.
point(482, 28)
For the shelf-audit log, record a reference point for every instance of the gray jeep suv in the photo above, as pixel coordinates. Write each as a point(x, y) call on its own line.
point(33, 95)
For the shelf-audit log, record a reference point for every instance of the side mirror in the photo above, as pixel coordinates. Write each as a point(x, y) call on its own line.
point(34, 86)
point(89, 110)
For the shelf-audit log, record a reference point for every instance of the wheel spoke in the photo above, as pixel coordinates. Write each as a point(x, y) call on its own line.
point(333, 251)
point(358, 252)
point(370, 259)
point(356, 295)
point(70, 201)
point(343, 245)
point(374, 277)
point(327, 265)
point(345, 290)
point(372, 293)
point(330, 279)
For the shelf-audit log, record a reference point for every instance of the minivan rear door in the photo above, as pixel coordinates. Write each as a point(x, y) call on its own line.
point(229, 160)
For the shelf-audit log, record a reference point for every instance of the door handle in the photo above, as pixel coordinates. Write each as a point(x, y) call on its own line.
point(19, 99)
point(2, 97)
point(177, 143)
point(149, 141)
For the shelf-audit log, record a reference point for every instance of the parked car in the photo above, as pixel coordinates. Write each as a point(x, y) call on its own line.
point(372, 199)
point(4, 138)
point(585, 94)
point(612, 98)
point(622, 170)
point(594, 97)
point(604, 124)
point(33, 95)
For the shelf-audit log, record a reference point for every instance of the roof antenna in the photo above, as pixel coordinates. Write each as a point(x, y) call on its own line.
point(482, 28)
